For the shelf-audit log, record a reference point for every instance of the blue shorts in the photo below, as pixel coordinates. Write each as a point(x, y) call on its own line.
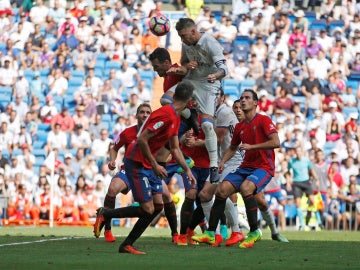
point(278, 195)
point(143, 182)
point(171, 169)
point(200, 174)
point(259, 177)
point(121, 174)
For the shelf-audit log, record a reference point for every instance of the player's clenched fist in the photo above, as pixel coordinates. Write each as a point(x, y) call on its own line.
point(112, 165)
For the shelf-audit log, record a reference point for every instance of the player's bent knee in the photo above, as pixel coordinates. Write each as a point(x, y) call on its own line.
point(207, 126)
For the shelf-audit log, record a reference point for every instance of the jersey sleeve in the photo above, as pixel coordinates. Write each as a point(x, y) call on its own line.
point(268, 125)
point(236, 140)
point(225, 118)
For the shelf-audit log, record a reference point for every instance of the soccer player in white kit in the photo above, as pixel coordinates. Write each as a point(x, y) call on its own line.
point(204, 64)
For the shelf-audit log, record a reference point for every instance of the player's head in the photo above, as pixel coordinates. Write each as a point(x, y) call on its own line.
point(249, 100)
point(142, 112)
point(184, 91)
point(238, 111)
point(160, 60)
point(187, 31)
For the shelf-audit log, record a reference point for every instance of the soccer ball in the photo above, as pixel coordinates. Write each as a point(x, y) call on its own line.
point(159, 25)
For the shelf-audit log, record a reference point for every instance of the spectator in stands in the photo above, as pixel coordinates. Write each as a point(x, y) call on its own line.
point(8, 75)
point(81, 118)
point(348, 169)
point(61, 63)
point(80, 138)
point(131, 51)
point(313, 101)
point(70, 168)
point(118, 106)
point(143, 92)
point(28, 58)
point(333, 97)
point(89, 103)
point(266, 82)
point(56, 139)
point(96, 127)
point(19, 37)
point(20, 106)
point(38, 13)
point(80, 185)
point(206, 22)
point(100, 147)
point(77, 10)
point(144, 62)
point(241, 70)
point(31, 125)
point(296, 65)
point(84, 32)
point(36, 39)
point(21, 85)
point(260, 49)
point(283, 102)
point(105, 95)
point(265, 105)
point(82, 59)
point(245, 26)
point(68, 38)
point(301, 21)
point(332, 113)
point(21, 205)
point(96, 82)
point(128, 76)
point(132, 104)
point(333, 131)
point(351, 127)
point(325, 41)
point(57, 12)
point(14, 123)
point(226, 34)
point(58, 83)
point(45, 56)
point(307, 84)
point(88, 201)
point(278, 65)
point(256, 68)
point(288, 84)
point(355, 63)
point(282, 21)
point(64, 119)
point(327, 10)
point(89, 169)
point(22, 139)
point(347, 147)
point(322, 65)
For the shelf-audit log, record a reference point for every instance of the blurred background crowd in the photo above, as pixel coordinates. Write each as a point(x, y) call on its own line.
point(73, 73)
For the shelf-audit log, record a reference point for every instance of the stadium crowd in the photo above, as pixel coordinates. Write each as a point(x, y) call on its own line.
point(73, 74)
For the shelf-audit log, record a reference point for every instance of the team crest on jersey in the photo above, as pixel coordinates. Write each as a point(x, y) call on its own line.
point(158, 125)
point(272, 126)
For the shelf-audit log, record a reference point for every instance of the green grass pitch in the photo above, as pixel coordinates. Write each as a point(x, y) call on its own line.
point(76, 248)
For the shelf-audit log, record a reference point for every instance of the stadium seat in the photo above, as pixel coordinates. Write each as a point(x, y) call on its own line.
point(39, 153)
point(347, 110)
point(354, 76)
point(318, 24)
point(44, 71)
point(231, 91)
point(77, 73)
point(310, 15)
point(335, 23)
point(248, 83)
point(16, 152)
point(75, 82)
point(112, 65)
point(231, 82)
point(38, 144)
point(44, 127)
point(146, 74)
point(42, 136)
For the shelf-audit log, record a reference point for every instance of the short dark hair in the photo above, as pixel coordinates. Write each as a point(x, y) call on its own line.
point(143, 105)
point(184, 23)
point(183, 91)
point(255, 96)
point(161, 54)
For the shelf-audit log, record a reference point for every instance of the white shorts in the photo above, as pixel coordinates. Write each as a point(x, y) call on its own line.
point(206, 95)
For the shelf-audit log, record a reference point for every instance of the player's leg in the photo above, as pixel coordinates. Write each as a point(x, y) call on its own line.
point(297, 190)
point(117, 185)
point(255, 181)
point(232, 217)
point(151, 208)
point(207, 125)
point(223, 191)
point(141, 224)
point(268, 216)
point(170, 212)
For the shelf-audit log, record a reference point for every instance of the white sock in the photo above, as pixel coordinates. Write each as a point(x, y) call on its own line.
point(270, 221)
point(206, 206)
point(231, 214)
point(210, 142)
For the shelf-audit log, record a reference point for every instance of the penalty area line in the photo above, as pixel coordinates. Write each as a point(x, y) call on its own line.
point(41, 241)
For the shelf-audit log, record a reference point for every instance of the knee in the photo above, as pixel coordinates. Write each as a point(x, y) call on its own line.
point(247, 188)
point(205, 195)
point(115, 187)
point(222, 191)
point(148, 208)
point(191, 194)
point(207, 126)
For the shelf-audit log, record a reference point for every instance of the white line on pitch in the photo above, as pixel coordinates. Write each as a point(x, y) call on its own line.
point(40, 241)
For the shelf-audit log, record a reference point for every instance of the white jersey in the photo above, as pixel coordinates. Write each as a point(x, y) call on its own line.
point(206, 53)
point(225, 118)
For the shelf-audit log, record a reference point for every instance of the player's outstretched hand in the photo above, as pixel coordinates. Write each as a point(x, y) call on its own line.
point(245, 146)
point(221, 167)
point(177, 70)
point(191, 178)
